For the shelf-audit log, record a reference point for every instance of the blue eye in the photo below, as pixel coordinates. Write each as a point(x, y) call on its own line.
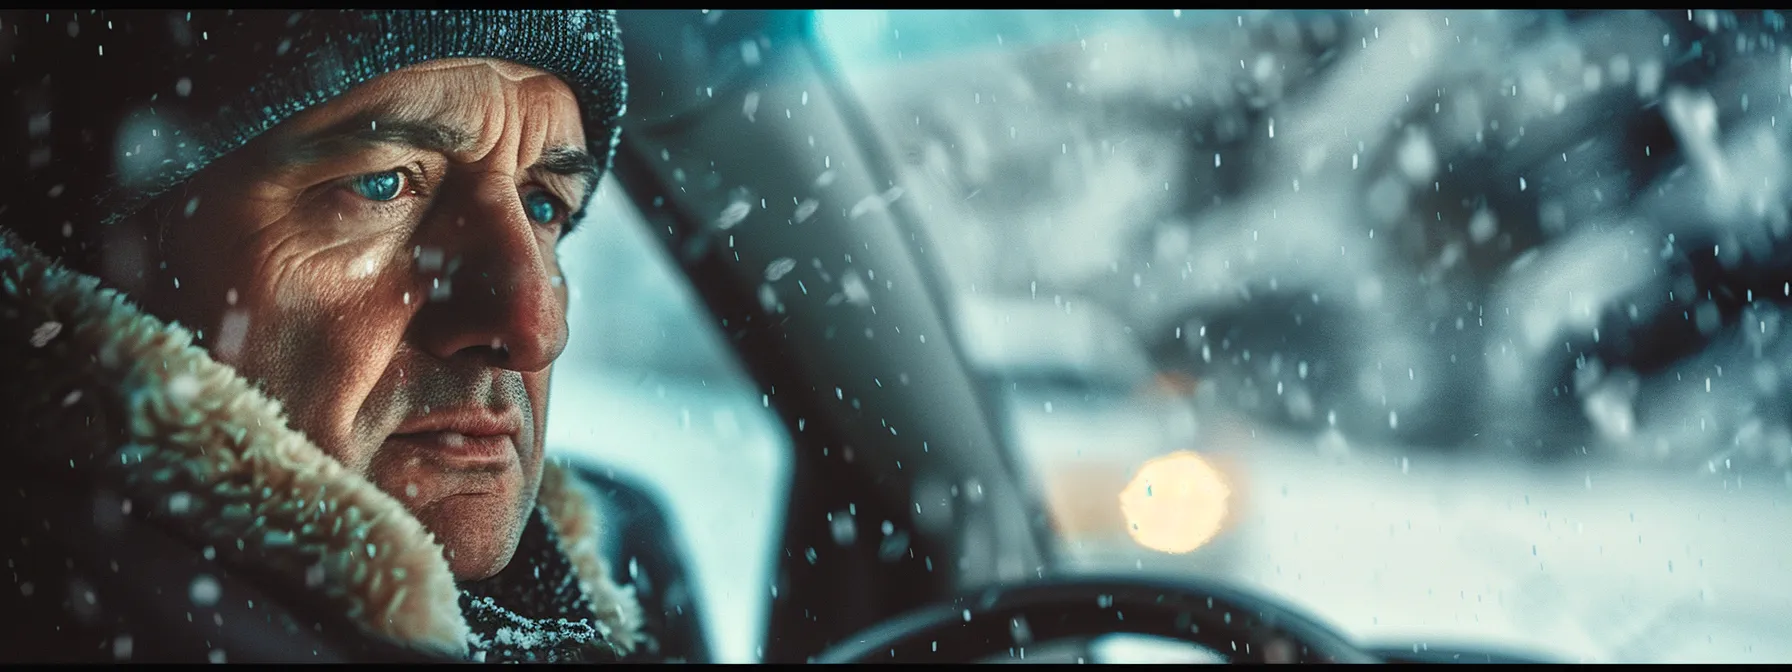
point(381, 186)
point(541, 207)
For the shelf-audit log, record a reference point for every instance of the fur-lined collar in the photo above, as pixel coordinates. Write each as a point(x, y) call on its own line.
point(172, 427)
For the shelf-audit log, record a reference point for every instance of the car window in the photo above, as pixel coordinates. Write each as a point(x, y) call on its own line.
point(1458, 325)
point(648, 388)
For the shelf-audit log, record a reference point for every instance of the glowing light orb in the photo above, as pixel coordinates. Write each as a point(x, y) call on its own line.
point(1176, 503)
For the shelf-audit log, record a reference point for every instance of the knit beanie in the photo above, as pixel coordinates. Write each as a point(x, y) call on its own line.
point(107, 109)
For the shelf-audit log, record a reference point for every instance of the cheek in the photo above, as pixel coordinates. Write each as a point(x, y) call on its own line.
point(219, 260)
point(320, 338)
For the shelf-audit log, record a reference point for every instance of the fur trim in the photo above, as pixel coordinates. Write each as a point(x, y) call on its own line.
point(213, 456)
point(570, 505)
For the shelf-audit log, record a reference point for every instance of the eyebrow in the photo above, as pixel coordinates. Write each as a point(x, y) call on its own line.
point(359, 132)
point(571, 162)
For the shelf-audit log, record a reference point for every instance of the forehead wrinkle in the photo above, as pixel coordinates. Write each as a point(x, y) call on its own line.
point(427, 112)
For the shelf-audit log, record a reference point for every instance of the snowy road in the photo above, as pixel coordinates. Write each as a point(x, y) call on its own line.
point(1601, 565)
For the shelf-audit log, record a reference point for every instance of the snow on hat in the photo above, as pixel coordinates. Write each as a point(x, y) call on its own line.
point(110, 109)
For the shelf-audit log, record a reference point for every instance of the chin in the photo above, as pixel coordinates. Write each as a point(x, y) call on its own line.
point(479, 533)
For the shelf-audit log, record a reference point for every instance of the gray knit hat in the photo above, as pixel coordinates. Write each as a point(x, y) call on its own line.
point(110, 109)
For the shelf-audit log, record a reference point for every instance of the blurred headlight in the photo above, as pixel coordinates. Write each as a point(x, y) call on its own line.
point(1176, 503)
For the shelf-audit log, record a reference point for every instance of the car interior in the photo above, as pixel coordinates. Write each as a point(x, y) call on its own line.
point(1266, 336)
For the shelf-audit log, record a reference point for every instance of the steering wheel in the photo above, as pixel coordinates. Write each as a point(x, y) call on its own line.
point(1241, 626)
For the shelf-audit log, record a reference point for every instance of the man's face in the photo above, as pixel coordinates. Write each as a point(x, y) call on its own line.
point(384, 265)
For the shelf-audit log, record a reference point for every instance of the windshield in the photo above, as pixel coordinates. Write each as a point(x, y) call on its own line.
point(1442, 326)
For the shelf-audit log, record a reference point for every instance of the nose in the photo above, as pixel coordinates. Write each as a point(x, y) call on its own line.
point(490, 281)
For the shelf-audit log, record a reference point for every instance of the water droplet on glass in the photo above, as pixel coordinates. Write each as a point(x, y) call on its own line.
point(204, 590)
point(42, 335)
point(776, 270)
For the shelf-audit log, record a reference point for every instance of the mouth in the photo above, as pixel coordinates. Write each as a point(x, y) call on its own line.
point(466, 438)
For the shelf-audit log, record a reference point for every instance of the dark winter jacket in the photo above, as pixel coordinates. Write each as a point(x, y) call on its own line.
point(158, 507)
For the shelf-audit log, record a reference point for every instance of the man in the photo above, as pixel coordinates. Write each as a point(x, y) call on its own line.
point(296, 412)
